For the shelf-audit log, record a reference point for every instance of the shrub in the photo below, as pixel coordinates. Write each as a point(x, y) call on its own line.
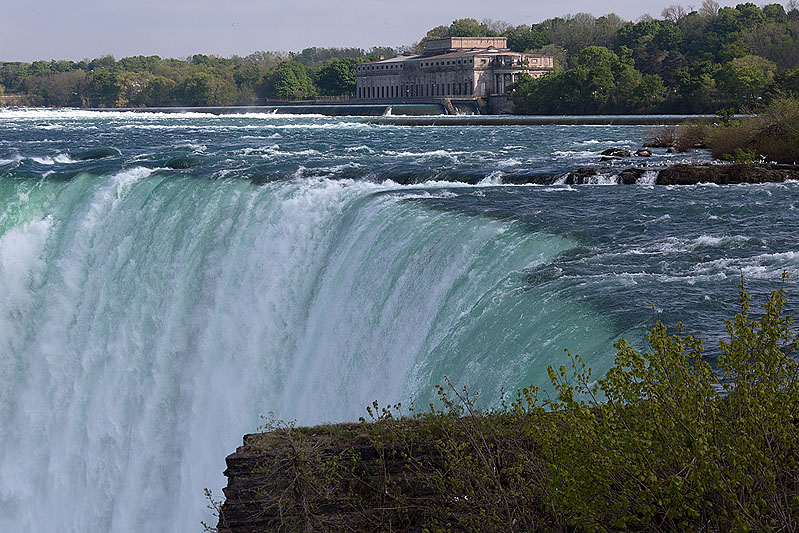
point(773, 134)
point(663, 442)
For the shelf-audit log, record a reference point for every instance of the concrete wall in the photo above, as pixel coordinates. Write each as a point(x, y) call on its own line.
point(451, 43)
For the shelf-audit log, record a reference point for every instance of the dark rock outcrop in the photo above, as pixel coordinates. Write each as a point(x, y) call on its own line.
point(643, 152)
point(628, 176)
point(726, 174)
point(581, 176)
point(295, 481)
point(616, 152)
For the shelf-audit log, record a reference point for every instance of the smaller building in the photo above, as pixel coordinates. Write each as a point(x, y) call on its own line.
point(455, 67)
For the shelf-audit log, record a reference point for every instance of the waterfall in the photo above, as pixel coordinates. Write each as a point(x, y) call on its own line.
point(150, 319)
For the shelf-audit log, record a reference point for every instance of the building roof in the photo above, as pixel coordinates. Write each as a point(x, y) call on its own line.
point(454, 54)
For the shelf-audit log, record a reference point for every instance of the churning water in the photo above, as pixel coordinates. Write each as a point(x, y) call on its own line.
point(155, 303)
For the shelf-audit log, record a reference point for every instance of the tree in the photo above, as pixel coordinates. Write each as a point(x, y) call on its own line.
point(602, 81)
point(159, 91)
point(291, 80)
point(674, 13)
point(131, 87)
point(709, 9)
point(750, 15)
point(103, 62)
point(495, 28)
point(695, 84)
point(467, 27)
point(104, 88)
point(775, 13)
point(776, 42)
point(789, 82)
point(747, 77)
point(60, 88)
point(337, 77)
point(523, 39)
point(208, 89)
point(792, 10)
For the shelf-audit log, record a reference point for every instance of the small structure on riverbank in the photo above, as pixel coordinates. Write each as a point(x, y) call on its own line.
point(455, 67)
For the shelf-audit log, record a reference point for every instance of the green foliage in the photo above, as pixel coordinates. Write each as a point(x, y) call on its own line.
point(525, 39)
point(789, 82)
point(159, 91)
point(104, 88)
point(467, 27)
point(664, 442)
point(208, 89)
point(772, 135)
point(739, 155)
point(337, 77)
point(601, 82)
point(292, 81)
point(748, 76)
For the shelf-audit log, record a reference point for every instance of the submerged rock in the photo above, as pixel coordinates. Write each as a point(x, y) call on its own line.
point(182, 161)
point(643, 152)
point(95, 153)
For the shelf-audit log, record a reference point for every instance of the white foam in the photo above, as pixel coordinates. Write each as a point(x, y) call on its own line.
point(495, 178)
point(649, 177)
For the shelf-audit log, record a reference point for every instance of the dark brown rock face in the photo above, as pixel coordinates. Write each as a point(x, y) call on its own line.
point(726, 174)
point(581, 176)
point(628, 176)
point(288, 481)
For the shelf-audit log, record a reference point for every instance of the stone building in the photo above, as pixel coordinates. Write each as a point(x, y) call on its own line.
point(455, 67)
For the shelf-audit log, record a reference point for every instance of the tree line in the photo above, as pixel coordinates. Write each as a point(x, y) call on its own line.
point(689, 60)
point(200, 80)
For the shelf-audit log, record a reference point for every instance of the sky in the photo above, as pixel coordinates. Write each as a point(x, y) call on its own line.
point(81, 29)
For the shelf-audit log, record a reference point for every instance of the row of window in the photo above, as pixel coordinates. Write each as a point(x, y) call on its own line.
point(452, 62)
point(394, 66)
point(390, 66)
point(470, 61)
point(411, 91)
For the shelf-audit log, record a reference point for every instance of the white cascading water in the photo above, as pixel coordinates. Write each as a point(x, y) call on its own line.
point(147, 322)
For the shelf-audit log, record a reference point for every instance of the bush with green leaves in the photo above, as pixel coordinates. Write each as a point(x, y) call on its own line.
point(663, 442)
